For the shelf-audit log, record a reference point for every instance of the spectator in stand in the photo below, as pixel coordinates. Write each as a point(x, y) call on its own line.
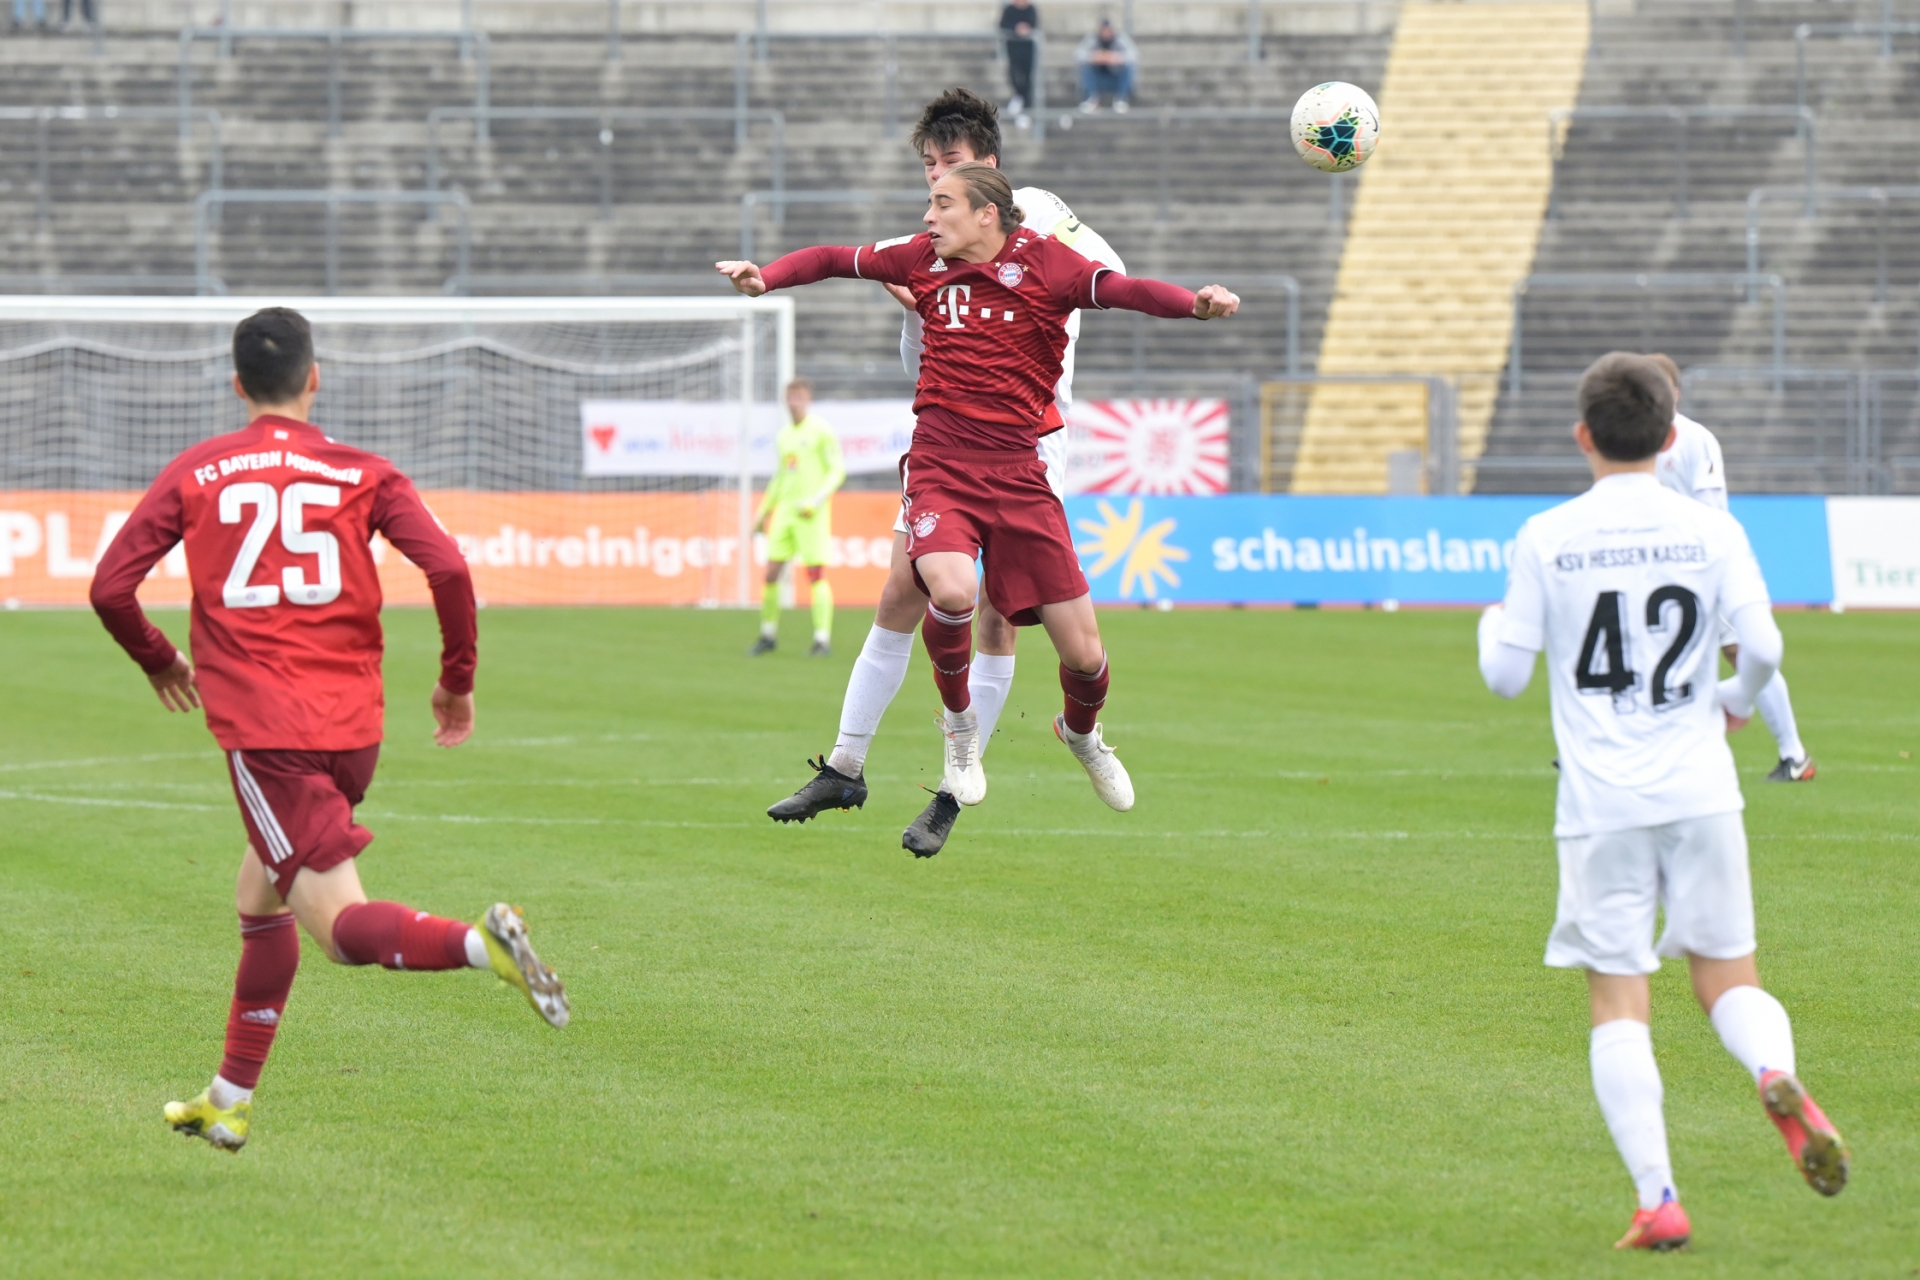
point(87, 13)
point(1107, 59)
point(1018, 21)
point(20, 14)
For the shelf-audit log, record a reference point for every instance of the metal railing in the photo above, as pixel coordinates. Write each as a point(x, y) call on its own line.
point(752, 200)
point(1164, 118)
point(1236, 281)
point(118, 283)
point(1641, 282)
point(43, 117)
point(207, 207)
point(759, 40)
point(1815, 196)
point(569, 284)
point(606, 117)
point(1864, 464)
point(1886, 29)
point(1806, 128)
point(1440, 455)
point(473, 44)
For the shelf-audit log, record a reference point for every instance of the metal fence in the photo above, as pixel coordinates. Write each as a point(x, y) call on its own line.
point(209, 204)
point(44, 117)
point(1645, 283)
point(1814, 198)
point(1806, 129)
point(1434, 468)
point(606, 118)
point(473, 44)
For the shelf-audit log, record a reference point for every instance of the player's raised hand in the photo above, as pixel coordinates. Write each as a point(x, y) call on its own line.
point(745, 276)
point(1215, 301)
point(176, 685)
point(453, 712)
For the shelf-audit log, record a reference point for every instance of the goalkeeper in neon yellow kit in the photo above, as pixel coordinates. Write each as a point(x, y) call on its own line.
point(797, 515)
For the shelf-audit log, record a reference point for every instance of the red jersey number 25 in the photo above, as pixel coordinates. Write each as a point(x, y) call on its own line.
point(287, 509)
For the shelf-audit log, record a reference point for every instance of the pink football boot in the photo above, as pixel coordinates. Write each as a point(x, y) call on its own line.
point(1814, 1143)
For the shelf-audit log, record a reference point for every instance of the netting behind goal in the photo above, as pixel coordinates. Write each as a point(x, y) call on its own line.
point(480, 401)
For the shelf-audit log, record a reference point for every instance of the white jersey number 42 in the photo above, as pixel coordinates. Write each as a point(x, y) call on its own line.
point(1604, 665)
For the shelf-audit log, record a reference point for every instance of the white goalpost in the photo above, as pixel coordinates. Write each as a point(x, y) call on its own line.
point(583, 450)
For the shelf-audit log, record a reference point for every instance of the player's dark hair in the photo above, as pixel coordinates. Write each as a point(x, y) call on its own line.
point(272, 351)
point(958, 115)
point(1668, 365)
point(1627, 404)
point(986, 185)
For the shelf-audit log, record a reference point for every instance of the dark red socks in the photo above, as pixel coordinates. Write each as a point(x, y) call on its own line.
point(398, 937)
point(949, 641)
point(269, 956)
point(1085, 696)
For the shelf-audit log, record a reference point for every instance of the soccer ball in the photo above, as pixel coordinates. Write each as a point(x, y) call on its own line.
point(1335, 126)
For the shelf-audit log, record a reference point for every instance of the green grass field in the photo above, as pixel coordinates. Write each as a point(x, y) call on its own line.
point(1288, 1017)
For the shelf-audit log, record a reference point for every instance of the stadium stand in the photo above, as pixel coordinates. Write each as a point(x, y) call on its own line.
point(1840, 418)
point(1441, 230)
point(1196, 182)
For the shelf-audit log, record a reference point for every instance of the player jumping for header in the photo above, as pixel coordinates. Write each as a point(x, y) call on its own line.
point(797, 516)
point(1622, 587)
point(958, 127)
point(277, 519)
point(1692, 465)
point(994, 299)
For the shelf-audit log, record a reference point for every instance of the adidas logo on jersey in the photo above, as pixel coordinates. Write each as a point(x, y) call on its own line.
point(939, 264)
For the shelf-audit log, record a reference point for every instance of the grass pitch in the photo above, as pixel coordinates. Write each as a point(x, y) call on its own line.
point(1288, 1017)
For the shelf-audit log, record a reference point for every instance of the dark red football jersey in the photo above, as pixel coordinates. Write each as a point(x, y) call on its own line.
point(278, 520)
point(995, 331)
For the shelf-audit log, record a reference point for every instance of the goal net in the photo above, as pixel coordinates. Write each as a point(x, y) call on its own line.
point(582, 450)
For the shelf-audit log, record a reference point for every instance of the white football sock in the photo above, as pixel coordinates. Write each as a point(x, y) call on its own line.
point(1754, 1027)
point(877, 675)
point(223, 1093)
point(1777, 710)
point(770, 630)
point(988, 682)
point(1626, 1080)
point(477, 957)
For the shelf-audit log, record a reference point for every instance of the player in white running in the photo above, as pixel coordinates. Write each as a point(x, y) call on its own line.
point(1622, 587)
point(956, 128)
point(1692, 465)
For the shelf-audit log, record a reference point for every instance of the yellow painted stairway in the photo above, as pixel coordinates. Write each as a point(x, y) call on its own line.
point(1444, 225)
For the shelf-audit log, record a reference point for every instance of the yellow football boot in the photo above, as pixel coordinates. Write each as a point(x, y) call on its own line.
point(513, 961)
point(199, 1118)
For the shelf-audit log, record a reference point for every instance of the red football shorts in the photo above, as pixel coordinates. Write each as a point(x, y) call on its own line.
point(996, 504)
point(298, 806)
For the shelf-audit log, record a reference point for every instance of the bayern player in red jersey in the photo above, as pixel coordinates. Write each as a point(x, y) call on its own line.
point(995, 298)
point(278, 521)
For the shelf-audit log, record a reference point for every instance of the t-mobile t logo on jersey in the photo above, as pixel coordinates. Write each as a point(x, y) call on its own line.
point(952, 304)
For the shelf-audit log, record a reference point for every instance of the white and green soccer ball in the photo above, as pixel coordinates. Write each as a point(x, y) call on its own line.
point(1335, 126)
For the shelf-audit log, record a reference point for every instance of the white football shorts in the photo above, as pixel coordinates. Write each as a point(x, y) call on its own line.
point(1612, 884)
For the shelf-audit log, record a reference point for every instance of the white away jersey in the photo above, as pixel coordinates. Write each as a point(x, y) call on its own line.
point(1693, 468)
point(1049, 215)
point(1622, 587)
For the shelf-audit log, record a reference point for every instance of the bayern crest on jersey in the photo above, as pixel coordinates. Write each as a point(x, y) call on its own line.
point(923, 525)
point(1011, 273)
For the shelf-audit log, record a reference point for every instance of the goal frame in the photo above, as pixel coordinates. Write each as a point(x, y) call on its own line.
point(432, 309)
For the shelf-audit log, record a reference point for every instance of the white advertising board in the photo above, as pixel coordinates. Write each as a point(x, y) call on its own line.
point(702, 437)
point(1875, 544)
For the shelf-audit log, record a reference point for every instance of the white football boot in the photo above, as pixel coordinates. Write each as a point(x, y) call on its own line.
point(965, 780)
point(1104, 770)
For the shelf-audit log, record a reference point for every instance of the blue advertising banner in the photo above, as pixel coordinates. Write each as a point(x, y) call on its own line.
point(1261, 549)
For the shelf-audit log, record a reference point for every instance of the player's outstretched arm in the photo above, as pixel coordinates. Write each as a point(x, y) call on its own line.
point(1109, 290)
point(1507, 668)
point(746, 277)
